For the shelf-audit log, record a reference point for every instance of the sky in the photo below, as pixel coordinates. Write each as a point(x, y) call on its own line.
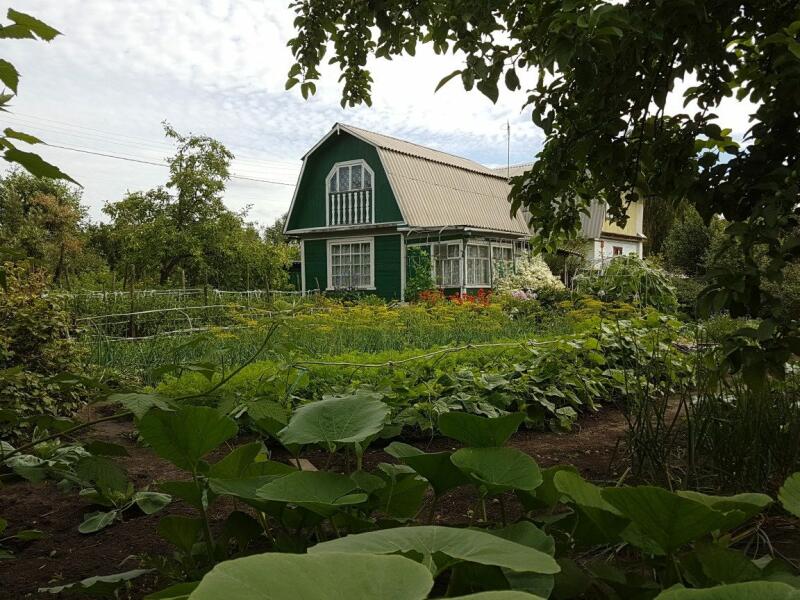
point(218, 67)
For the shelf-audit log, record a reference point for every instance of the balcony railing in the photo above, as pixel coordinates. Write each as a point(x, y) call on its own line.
point(350, 208)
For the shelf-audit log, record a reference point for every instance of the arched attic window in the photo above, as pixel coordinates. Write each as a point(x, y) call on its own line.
point(349, 197)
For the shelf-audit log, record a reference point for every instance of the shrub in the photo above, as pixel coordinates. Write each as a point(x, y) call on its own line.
point(686, 243)
point(687, 289)
point(531, 275)
point(36, 343)
point(418, 276)
point(630, 279)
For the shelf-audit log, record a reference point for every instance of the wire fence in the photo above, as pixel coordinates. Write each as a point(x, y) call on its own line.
point(142, 314)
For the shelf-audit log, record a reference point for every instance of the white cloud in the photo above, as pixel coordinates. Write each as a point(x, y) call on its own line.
point(218, 67)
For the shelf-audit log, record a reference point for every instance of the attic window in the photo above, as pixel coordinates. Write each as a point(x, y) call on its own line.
point(349, 197)
point(350, 177)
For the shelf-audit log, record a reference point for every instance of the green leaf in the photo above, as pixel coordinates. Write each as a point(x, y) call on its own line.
point(737, 508)
point(35, 26)
point(402, 496)
point(236, 463)
point(445, 79)
point(754, 590)
point(476, 431)
point(723, 565)
point(428, 542)
point(667, 519)
point(102, 586)
point(598, 521)
point(185, 490)
point(27, 535)
point(107, 476)
point(789, 494)
point(94, 522)
point(526, 533)
point(436, 467)
point(179, 591)
point(9, 75)
point(319, 491)
point(151, 502)
point(19, 135)
point(184, 436)
point(315, 577)
point(512, 81)
point(499, 469)
point(333, 421)
point(34, 164)
point(499, 595)
point(101, 448)
point(139, 404)
point(182, 532)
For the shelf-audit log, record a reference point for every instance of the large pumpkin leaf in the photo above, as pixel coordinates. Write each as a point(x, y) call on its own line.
point(479, 432)
point(344, 420)
point(499, 469)
point(326, 576)
point(669, 520)
point(432, 542)
point(738, 508)
point(319, 491)
point(598, 521)
point(724, 565)
point(436, 467)
point(526, 533)
point(184, 436)
point(753, 590)
point(789, 494)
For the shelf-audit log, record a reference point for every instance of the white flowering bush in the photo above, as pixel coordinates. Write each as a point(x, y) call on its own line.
point(531, 276)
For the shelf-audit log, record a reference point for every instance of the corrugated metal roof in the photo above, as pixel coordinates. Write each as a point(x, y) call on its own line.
point(433, 194)
point(388, 142)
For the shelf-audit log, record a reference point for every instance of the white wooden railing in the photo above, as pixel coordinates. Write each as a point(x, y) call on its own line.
point(350, 208)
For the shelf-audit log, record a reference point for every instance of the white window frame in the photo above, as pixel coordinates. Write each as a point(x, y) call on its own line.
point(488, 258)
point(435, 260)
point(334, 171)
point(360, 240)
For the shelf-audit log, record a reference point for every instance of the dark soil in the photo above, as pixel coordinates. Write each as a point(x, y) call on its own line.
point(65, 555)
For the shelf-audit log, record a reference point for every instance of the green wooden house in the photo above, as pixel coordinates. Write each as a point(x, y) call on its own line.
point(363, 198)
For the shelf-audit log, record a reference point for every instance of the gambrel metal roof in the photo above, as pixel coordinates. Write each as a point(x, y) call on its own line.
point(435, 189)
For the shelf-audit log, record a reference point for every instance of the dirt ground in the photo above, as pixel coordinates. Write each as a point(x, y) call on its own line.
point(65, 555)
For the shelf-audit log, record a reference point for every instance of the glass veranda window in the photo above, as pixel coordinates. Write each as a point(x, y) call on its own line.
point(478, 265)
point(351, 265)
point(448, 265)
point(502, 261)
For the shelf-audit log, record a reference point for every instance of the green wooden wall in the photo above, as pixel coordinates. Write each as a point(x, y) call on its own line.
point(315, 255)
point(309, 205)
point(387, 265)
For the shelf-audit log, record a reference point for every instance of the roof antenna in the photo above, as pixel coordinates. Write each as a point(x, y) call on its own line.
point(508, 150)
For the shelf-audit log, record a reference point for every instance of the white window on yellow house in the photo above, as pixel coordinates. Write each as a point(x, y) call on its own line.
point(479, 270)
point(447, 264)
point(351, 264)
